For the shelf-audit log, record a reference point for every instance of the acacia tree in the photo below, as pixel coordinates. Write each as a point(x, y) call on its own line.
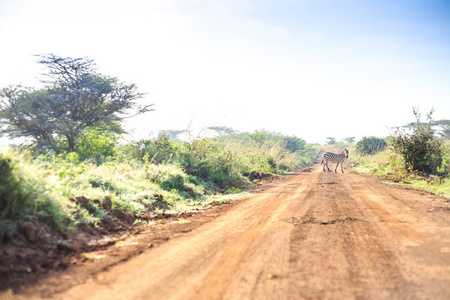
point(350, 140)
point(222, 130)
point(331, 141)
point(75, 98)
point(444, 128)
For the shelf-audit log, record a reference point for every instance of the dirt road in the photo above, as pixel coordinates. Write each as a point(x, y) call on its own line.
point(313, 236)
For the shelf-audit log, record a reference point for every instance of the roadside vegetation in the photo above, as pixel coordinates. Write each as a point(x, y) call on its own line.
point(71, 172)
point(145, 180)
point(416, 155)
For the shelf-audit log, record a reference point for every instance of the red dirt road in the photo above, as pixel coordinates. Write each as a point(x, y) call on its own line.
point(313, 236)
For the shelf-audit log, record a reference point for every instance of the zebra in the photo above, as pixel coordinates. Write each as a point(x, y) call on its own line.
point(336, 158)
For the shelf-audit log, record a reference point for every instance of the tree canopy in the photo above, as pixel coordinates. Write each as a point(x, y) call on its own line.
point(444, 128)
point(350, 140)
point(75, 97)
point(222, 130)
point(371, 145)
point(331, 141)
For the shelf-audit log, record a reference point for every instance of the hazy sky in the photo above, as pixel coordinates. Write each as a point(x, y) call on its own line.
point(315, 69)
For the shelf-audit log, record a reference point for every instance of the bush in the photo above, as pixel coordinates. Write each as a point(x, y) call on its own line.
point(223, 160)
point(14, 200)
point(214, 162)
point(370, 145)
point(418, 146)
point(23, 197)
point(161, 150)
point(175, 182)
point(445, 166)
point(96, 143)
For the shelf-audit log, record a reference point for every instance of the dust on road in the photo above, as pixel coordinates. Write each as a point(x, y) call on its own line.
point(314, 236)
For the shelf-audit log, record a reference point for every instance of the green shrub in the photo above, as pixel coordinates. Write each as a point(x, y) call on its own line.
point(370, 145)
point(98, 182)
point(23, 197)
point(175, 182)
point(160, 150)
point(418, 146)
point(15, 200)
point(224, 159)
point(97, 144)
point(444, 170)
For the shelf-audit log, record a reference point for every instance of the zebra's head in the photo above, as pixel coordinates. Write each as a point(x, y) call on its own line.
point(345, 153)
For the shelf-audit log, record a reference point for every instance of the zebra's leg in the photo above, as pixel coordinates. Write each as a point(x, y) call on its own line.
point(335, 170)
point(326, 162)
point(342, 168)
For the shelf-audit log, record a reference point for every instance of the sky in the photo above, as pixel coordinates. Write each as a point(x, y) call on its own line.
point(309, 68)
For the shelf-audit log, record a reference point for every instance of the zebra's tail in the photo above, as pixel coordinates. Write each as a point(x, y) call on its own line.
point(321, 162)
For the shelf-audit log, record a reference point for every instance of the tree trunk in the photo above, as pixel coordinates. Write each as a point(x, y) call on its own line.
point(71, 143)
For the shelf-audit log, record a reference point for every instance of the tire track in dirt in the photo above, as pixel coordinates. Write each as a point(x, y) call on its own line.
point(220, 276)
point(341, 240)
point(259, 277)
point(403, 229)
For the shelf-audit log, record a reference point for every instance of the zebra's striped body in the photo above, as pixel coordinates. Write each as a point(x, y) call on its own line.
point(335, 158)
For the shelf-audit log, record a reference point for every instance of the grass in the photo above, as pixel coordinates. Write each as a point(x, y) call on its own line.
point(144, 180)
point(25, 194)
point(41, 188)
point(389, 166)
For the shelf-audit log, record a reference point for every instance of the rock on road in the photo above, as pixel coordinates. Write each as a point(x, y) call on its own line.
point(315, 235)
